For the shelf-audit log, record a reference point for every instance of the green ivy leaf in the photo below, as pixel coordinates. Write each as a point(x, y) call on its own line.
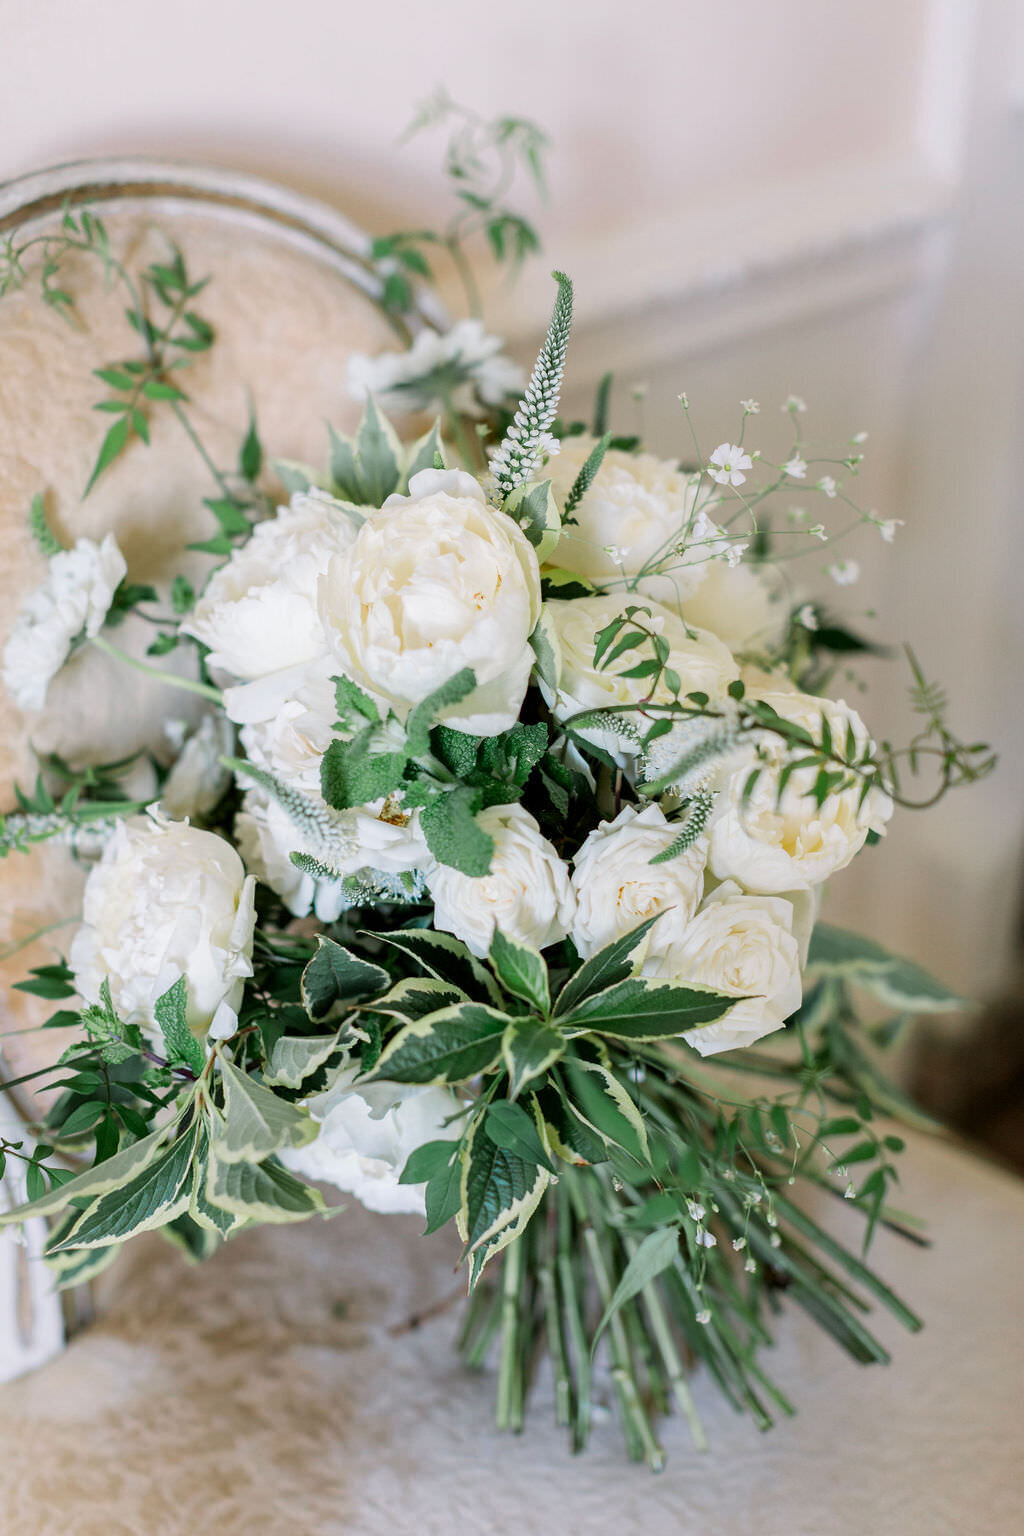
point(335, 978)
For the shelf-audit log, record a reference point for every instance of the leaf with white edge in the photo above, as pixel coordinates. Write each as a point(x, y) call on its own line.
point(896, 982)
point(335, 979)
point(425, 452)
point(425, 716)
point(654, 1255)
point(643, 1009)
point(445, 957)
point(500, 1193)
point(113, 1174)
point(453, 834)
point(155, 1196)
point(344, 469)
point(521, 971)
point(446, 1047)
point(212, 1218)
point(297, 1057)
point(262, 1191)
point(612, 964)
point(624, 1108)
point(379, 454)
point(416, 996)
point(547, 648)
point(509, 1126)
point(256, 1121)
point(535, 509)
point(528, 1048)
point(171, 1010)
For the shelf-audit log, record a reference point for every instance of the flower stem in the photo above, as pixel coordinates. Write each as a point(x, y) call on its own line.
point(189, 684)
point(510, 1368)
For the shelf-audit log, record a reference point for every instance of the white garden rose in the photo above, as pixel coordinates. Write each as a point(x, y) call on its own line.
point(702, 662)
point(74, 600)
point(367, 1133)
point(736, 603)
point(772, 844)
point(638, 514)
point(437, 581)
point(743, 946)
point(258, 613)
point(527, 893)
point(379, 836)
point(166, 900)
point(617, 887)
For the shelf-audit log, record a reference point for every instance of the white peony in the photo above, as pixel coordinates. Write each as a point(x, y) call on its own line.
point(437, 581)
point(166, 900)
point(744, 946)
point(368, 1131)
point(638, 514)
point(378, 836)
point(198, 778)
point(772, 844)
point(456, 369)
point(292, 742)
point(258, 613)
point(703, 663)
point(74, 600)
point(527, 893)
point(737, 604)
point(617, 887)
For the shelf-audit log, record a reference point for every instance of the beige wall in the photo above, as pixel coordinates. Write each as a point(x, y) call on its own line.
point(753, 199)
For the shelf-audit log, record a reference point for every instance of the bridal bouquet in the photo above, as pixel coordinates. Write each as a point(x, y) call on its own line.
point(494, 851)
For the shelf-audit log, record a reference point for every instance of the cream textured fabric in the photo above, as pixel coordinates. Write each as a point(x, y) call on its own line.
point(265, 1394)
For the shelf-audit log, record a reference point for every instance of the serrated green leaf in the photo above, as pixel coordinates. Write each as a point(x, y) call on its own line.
point(336, 978)
point(449, 1046)
point(528, 1048)
point(612, 964)
point(425, 452)
point(352, 773)
point(113, 1174)
point(295, 1058)
point(155, 1196)
point(344, 469)
point(171, 1010)
point(256, 1121)
point(425, 716)
point(262, 1192)
point(500, 1193)
point(416, 996)
point(444, 957)
point(453, 834)
point(355, 708)
point(643, 1009)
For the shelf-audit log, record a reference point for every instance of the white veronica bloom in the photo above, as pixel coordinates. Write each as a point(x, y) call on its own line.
point(368, 1131)
point(198, 778)
point(437, 581)
point(166, 900)
point(772, 845)
point(744, 946)
point(637, 513)
point(378, 836)
point(527, 893)
point(73, 600)
point(456, 369)
point(727, 463)
point(617, 887)
point(703, 663)
point(258, 613)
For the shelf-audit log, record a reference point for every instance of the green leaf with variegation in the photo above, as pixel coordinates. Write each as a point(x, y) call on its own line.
point(155, 1196)
point(643, 1009)
point(416, 996)
point(528, 1048)
point(521, 971)
point(113, 1174)
point(336, 979)
point(256, 1121)
point(898, 983)
point(297, 1057)
point(602, 1100)
point(262, 1191)
point(446, 958)
point(425, 452)
point(379, 455)
point(446, 1047)
point(509, 1126)
point(500, 1192)
point(610, 965)
point(547, 648)
point(535, 509)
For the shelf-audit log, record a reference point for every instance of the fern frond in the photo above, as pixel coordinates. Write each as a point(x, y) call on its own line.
point(518, 458)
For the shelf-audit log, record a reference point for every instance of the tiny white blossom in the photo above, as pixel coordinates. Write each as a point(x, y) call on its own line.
point(859, 437)
point(734, 554)
point(684, 401)
point(729, 462)
point(887, 528)
point(750, 407)
point(844, 572)
point(828, 485)
point(461, 367)
point(796, 467)
point(807, 616)
point(739, 1243)
point(696, 1210)
point(797, 514)
point(703, 1317)
point(750, 1266)
point(818, 532)
point(706, 1239)
point(794, 404)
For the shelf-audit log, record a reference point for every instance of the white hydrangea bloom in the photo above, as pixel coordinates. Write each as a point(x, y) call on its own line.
point(74, 600)
point(457, 369)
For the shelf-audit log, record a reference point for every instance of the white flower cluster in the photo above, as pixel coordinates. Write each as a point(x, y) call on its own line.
point(456, 370)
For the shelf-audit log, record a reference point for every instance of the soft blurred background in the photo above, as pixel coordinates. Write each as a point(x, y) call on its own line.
point(753, 199)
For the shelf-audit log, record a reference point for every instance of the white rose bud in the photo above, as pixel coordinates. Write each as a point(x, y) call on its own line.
point(166, 900)
point(437, 581)
point(73, 600)
point(703, 663)
point(258, 613)
point(367, 1133)
point(775, 845)
point(527, 893)
point(637, 510)
point(743, 946)
point(617, 887)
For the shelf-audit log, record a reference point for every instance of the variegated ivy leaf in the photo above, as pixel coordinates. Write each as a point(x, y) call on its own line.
point(450, 1046)
point(336, 979)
